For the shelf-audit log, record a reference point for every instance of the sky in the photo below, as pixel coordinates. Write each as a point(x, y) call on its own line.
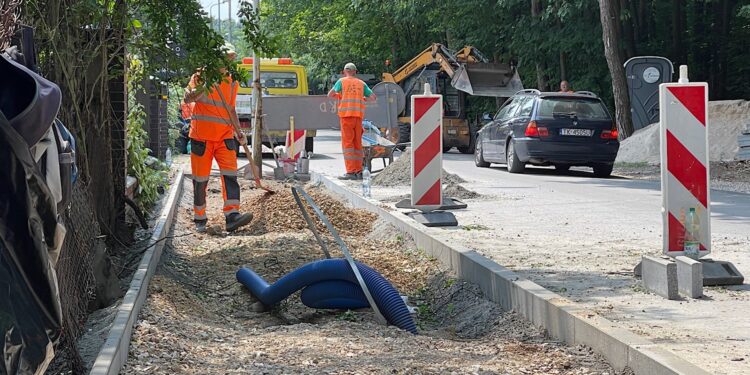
point(224, 8)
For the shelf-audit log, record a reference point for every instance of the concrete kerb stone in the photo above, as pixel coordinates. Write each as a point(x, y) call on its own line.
point(689, 276)
point(114, 352)
point(561, 318)
point(660, 276)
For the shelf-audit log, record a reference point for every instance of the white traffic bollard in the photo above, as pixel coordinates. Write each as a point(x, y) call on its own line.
point(426, 150)
point(685, 167)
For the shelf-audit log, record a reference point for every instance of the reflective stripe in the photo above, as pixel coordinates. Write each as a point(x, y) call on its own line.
point(199, 208)
point(200, 178)
point(355, 109)
point(228, 172)
point(360, 101)
point(353, 157)
point(210, 118)
point(206, 100)
point(200, 217)
point(231, 202)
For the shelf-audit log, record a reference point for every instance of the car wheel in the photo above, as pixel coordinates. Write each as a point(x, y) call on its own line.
point(562, 168)
point(479, 156)
point(446, 149)
point(514, 164)
point(603, 170)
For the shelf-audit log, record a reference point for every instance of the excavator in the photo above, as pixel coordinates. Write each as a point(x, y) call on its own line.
point(455, 75)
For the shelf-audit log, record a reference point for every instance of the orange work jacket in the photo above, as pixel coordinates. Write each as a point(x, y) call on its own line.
point(210, 120)
point(352, 100)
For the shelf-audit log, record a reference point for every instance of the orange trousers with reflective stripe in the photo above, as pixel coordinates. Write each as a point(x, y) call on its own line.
point(351, 143)
point(202, 155)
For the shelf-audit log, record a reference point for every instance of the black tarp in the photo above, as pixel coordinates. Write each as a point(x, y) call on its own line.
point(30, 317)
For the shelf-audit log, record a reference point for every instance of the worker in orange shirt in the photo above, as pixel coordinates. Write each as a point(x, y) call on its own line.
point(351, 93)
point(565, 87)
point(212, 137)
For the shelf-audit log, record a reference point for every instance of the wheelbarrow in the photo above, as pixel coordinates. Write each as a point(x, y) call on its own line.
point(376, 147)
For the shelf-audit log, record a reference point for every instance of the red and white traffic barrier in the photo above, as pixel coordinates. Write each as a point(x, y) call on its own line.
point(426, 150)
point(684, 162)
point(295, 147)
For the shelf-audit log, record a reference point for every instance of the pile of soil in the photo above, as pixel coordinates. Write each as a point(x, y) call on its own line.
point(727, 119)
point(398, 173)
point(725, 175)
point(198, 319)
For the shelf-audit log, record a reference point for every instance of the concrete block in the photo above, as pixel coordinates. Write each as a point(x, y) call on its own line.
point(605, 337)
point(660, 276)
point(689, 277)
point(559, 320)
point(651, 359)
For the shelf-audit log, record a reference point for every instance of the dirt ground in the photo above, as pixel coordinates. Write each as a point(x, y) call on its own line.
point(725, 175)
point(199, 320)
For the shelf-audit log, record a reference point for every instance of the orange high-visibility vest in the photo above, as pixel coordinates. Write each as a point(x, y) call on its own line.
point(352, 101)
point(210, 121)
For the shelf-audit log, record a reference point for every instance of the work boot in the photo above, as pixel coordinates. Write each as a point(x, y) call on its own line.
point(358, 175)
point(349, 176)
point(236, 220)
point(200, 226)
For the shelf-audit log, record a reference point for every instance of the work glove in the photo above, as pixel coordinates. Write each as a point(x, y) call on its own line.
point(242, 138)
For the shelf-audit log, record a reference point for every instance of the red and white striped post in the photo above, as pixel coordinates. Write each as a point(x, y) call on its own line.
point(295, 146)
point(426, 150)
point(684, 161)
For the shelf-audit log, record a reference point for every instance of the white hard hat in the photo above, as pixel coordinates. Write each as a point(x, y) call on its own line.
point(228, 49)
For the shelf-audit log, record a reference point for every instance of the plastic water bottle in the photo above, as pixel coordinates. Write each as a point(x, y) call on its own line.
point(692, 234)
point(168, 157)
point(366, 183)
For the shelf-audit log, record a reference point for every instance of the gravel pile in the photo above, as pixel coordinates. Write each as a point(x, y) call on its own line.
point(199, 320)
point(727, 119)
point(399, 174)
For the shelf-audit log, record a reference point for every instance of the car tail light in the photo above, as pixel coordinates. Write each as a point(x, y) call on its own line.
point(532, 130)
point(247, 60)
point(611, 134)
point(285, 61)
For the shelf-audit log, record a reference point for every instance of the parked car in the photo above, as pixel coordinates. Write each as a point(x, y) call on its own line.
point(549, 128)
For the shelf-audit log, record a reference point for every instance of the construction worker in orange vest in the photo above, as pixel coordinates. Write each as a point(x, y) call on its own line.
point(351, 93)
point(212, 137)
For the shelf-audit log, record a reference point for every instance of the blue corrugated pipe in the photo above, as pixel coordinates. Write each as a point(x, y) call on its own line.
point(331, 284)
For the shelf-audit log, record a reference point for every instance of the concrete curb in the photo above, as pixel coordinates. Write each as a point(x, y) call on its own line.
point(563, 319)
point(114, 352)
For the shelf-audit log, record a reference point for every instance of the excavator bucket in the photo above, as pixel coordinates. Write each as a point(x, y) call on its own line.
point(487, 79)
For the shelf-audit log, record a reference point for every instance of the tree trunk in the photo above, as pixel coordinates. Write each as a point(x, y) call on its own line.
point(678, 52)
point(563, 67)
point(627, 29)
point(614, 61)
point(541, 79)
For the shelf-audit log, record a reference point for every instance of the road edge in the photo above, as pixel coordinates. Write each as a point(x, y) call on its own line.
point(114, 353)
point(561, 318)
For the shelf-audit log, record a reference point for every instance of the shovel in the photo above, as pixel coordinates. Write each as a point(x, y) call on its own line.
point(250, 167)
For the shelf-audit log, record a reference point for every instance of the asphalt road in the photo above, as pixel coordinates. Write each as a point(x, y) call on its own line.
point(581, 236)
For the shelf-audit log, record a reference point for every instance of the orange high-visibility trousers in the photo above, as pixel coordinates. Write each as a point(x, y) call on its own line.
point(351, 143)
point(202, 154)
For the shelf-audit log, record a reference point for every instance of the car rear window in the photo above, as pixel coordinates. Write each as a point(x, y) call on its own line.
point(581, 108)
point(284, 80)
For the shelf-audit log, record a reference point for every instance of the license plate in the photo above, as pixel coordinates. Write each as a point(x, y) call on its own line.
point(577, 132)
point(452, 131)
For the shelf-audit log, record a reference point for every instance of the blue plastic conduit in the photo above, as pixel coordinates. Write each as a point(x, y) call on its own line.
point(332, 294)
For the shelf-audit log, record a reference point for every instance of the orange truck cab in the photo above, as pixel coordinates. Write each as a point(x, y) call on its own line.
point(278, 76)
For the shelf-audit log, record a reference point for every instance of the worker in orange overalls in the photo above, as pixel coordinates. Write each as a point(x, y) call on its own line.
point(351, 93)
point(212, 137)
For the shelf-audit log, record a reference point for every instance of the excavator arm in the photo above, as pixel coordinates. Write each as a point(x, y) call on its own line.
point(437, 53)
point(468, 69)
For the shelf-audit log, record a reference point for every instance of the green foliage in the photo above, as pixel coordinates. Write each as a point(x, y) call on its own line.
point(149, 179)
point(323, 35)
